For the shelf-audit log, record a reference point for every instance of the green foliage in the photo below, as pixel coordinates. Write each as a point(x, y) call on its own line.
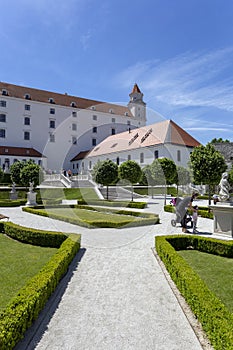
point(216, 320)
point(22, 173)
point(15, 170)
point(207, 165)
point(130, 171)
point(202, 211)
point(31, 299)
point(93, 217)
point(106, 173)
point(147, 179)
point(183, 176)
point(108, 203)
point(1, 174)
point(33, 236)
point(31, 173)
point(219, 140)
point(230, 176)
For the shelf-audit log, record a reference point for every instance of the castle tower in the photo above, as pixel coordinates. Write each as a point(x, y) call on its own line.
point(136, 104)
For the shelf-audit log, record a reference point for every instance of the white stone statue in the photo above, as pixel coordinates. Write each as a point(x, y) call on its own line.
point(225, 187)
point(31, 185)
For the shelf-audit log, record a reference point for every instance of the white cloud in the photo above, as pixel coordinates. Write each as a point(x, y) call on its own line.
point(188, 80)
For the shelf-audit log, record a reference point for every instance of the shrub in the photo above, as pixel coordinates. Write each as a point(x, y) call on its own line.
point(31, 299)
point(33, 236)
point(216, 320)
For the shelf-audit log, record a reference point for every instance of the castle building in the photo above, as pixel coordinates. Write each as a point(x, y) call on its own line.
point(143, 145)
point(52, 128)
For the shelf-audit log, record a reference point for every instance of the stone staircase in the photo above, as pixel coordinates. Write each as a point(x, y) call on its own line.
point(118, 193)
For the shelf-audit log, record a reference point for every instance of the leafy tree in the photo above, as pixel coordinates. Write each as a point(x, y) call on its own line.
point(1, 174)
point(230, 176)
point(15, 170)
point(182, 177)
point(95, 170)
point(219, 140)
point(147, 179)
point(31, 172)
point(163, 172)
point(131, 171)
point(106, 173)
point(207, 166)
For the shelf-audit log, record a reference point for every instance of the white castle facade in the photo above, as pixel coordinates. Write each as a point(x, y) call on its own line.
point(59, 131)
point(52, 128)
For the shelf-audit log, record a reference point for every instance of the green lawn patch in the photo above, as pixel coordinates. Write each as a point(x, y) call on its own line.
point(216, 271)
point(96, 217)
point(18, 263)
point(207, 306)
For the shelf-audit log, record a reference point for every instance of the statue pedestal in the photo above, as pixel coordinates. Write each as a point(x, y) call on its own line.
point(223, 218)
point(31, 197)
point(13, 195)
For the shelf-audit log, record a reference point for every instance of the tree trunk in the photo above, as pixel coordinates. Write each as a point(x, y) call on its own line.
point(107, 193)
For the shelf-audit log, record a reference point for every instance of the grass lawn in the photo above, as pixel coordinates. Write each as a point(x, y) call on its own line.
point(216, 272)
point(18, 263)
point(68, 193)
point(93, 216)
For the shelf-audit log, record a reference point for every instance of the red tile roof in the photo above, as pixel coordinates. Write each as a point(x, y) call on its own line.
point(61, 99)
point(136, 89)
point(80, 155)
point(159, 133)
point(20, 152)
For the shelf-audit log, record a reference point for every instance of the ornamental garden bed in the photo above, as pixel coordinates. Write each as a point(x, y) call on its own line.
point(212, 308)
point(36, 283)
point(93, 217)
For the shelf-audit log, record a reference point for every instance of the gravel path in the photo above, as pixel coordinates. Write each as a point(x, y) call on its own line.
point(115, 295)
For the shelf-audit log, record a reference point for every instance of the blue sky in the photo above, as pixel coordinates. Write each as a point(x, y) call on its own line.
point(179, 52)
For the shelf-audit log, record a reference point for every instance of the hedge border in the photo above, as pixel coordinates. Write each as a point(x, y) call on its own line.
point(216, 320)
point(147, 219)
point(202, 211)
point(25, 307)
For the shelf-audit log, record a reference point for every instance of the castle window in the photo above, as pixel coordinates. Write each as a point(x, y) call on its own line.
point(94, 142)
point(178, 156)
point(113, 131)
point(52, 124)
point(51, 100)
point(156, 154)
point(2, 133)
point(2, 118)
point(141, 157)
point(94, 117)
point(51, 137)
point(74, 127)
point(52, 111)
point(27, 96)
point(27, 121)
point(26, 135)
point(74, 114)
point(94, 129)
point(4, 92)
point(2, 103)
point(27, 107)
point(73, 104)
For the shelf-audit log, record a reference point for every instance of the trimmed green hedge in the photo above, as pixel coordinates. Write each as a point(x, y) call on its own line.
point(25, 307)
point(216, 320)
point(12, 203)
point(107, 203)
point(147, 218)
point(202, 211)
point(33, 236)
